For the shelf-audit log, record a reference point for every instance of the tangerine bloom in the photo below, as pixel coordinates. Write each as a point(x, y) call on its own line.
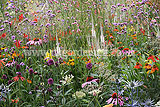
point(110, 105)
point(29, 81)
point(147, 66)
point(19, 76)
point(138, 65)
point(113, 99)
point(2, 63)
point(154, 68)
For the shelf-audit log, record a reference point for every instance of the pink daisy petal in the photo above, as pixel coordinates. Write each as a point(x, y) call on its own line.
point(109, 100)
point(84, 84)
point(22, 78)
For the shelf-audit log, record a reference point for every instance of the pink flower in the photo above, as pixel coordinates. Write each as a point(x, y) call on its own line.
point(113, 99)
point(19, 76)
point(89, 82)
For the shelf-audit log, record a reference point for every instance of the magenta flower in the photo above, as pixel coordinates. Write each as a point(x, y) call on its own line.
point(50, 62)
point(89, 66)
point(113, 100)
point(50, 81)
point(31, 71)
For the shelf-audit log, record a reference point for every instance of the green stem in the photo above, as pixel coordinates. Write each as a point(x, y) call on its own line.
point(97, 102)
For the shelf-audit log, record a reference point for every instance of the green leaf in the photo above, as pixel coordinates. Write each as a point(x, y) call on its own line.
point(68, 91)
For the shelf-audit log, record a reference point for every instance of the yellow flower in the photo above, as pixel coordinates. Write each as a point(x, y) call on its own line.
point(110, 105)
point(132, 29)
point(3, 48)
point(71, 60)
point(72, 63)
point(48, 55)
point(31, 1)
point(148, 61)
point(123, 27)
point(67, 63)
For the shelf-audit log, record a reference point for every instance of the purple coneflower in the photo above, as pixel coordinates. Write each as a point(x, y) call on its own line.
point(50, 62)
point(113, 100)
point(31, 71)
point(4, 77)
point(18, 66)
point(89, 65)
point(50, 81)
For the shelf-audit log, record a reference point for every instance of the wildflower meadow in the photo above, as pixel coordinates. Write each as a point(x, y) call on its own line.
point(79, 53)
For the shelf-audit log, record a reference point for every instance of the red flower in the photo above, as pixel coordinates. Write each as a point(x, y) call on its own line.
point(109, 42)
point(17, 78)
point(16, 100)
point(89, 78)
point(20, 17)
point(25, 36)
point(152, 57)
point(18, 44)
point(35, 20)
point(11, 23)
point(142, 31)
point(126, 49)
point(138, 65)
point(155, 68)
point(4, 35)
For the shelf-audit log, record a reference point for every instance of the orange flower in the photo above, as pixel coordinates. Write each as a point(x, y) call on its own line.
point(70, 53)
point(124, 58)
point(15, 101)
point(134, 37)
point(147, 66)
point(137, 66)
point(114, 52)
point(29, 81)
point(126, 49)
point(116, 30)
point(107, 32)
point(154, 68)
point(152, 57)
point(25, 47)
point(136, 43)
point(121, 47)
point(2, 63)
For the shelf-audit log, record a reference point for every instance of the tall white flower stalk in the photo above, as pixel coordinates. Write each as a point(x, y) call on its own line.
point(95, 40)
point(102, 37)
point(58, 48)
